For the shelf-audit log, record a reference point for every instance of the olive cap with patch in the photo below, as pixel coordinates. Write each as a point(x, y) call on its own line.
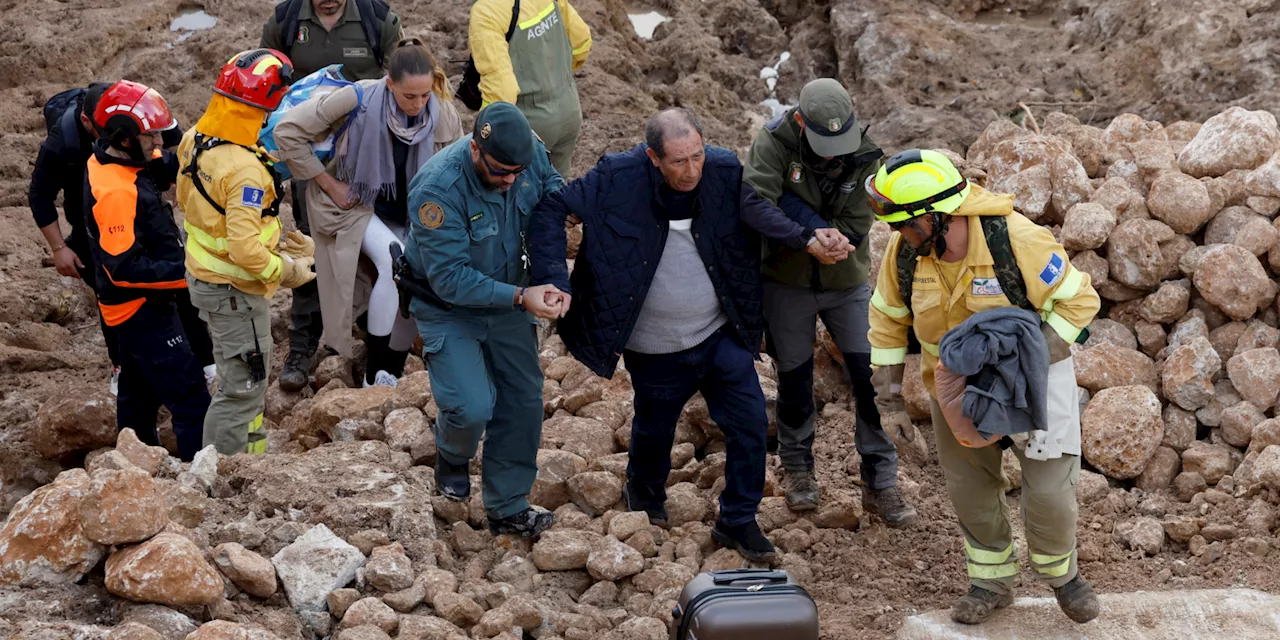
point(830, 126)
point(504, 133)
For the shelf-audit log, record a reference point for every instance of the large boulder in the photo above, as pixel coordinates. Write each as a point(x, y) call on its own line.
point(1234, 139)
point(1133, 251)
point(122, 507)
point(70, 422)
point(612, 560)
point(1087, 226)
point(550, 488)
point(564, 549)
point(168, 569)
point(1180, 201)
point(1231, 278)
point(331, 408)
point(42, 542)
point(1121, 429)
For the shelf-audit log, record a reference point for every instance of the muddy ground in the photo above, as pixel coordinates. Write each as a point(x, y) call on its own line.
point(922, 74)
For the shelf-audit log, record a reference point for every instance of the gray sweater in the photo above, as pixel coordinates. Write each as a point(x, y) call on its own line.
point(1007, 361)
point(681, 309)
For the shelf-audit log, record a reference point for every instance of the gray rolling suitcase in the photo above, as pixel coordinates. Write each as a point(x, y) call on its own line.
point(745, 604)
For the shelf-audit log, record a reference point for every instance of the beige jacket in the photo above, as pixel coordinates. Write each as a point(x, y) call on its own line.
point(342, 275)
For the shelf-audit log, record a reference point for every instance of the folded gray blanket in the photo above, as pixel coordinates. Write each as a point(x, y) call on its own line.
point(1007, 361)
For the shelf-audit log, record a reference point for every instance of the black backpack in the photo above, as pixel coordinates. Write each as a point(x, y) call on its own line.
point(469, 91)
point(54, 110)
point(996, 229)
point(373, 13)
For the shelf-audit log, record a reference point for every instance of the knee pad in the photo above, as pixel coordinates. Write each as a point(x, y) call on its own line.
point(795, 393)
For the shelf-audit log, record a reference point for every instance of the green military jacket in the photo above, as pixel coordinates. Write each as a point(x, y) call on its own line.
point(774, 166)
point(314, 48)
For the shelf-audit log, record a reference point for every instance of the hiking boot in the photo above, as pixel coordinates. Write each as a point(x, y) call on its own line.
point(745, 539)
point(529, 523)
point(296, 373)
point(889, 505)
point(656, 511)
point(452, 481)
point(1077, 600)
point(978, 605)
point(802, 490)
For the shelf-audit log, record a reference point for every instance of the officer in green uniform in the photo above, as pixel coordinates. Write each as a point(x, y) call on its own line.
point(470, 207)
point(534, 67)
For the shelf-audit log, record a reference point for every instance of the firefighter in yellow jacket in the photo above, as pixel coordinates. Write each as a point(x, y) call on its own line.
point(526, 52)
point(967, 251)
point(235, 260)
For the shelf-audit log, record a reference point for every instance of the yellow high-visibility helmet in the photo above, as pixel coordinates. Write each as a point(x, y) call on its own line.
point(913, 183)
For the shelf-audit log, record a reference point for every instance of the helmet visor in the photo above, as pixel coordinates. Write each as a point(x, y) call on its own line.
point(892, 212)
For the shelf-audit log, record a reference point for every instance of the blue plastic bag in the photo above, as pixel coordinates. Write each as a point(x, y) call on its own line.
point(319, 83)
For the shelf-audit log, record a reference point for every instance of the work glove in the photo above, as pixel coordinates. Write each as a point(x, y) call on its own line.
point(887, 381)
point(298, 245)
point(898, 426)
point(297, 272)
point(1059, 350)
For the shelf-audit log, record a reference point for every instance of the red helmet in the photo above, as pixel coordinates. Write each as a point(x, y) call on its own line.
point(128, 109)
point(258, 78)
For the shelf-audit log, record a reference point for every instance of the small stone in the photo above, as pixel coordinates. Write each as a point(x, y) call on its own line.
point(1256, 376)
point(601, 594)
point(81, 421)
point(1107, 366)
point(134, 631)
point(624, 525)
point(839, 510)
point(148, 458)
point(203, 472)
point(644, 542)
point(1181, 529)
point(167, 569)
point(1215, 532)
point(1107, 331)
point(428, 628)
point(1188, 484)
point(1151, 337)
point(365, 632)
point(1133, 251)
point(724, 560)
point(249, 571)
point(372, 612)
point(339, 600)
point(1260, 518)
point(612, 560)
point(1121, 429)
point(1145, 534)
point(389, 569)
point(550, 487)
point(685, 505)
point(1180, 201)
point(1091, 487)
point(565, 549)
point(122, 507)
point(315, 564)
point(1238, 422)
point(437, 582)
point(595, 491)
point(1267, 468)
point(1168, 303)
point(458, 610)
point(1187, 376)
point(1161, 469)
point(1179, 428)
point(403, 428)
point(368, 540)
point(1087, 226)
point(1210, 462)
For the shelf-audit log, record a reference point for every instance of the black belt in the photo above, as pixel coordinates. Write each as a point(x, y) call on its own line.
point(409, 286)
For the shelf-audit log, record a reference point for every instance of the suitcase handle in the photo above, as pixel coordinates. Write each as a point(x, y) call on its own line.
point(734, 575)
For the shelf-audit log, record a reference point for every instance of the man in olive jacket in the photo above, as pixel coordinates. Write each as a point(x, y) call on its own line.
point(815, 158)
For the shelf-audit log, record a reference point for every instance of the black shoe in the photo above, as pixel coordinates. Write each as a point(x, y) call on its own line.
point(453, 481)
point(1077, 600)
point(656, 511)
point(745, 539)
point(296, 373)
point(978, 605)
point(529, 523)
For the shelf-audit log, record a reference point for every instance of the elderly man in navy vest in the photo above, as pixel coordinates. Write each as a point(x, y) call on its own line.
point(668, 276)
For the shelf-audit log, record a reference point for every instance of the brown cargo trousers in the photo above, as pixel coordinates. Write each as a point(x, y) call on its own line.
point(976, 484)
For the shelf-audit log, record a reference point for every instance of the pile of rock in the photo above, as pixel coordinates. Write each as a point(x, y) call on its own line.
point(1177, 228)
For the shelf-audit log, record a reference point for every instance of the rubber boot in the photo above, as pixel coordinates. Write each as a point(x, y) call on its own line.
point(978, 605)
point(1077, 600)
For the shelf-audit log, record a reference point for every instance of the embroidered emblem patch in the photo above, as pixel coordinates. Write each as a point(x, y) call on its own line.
point(304, 34)
point(1052, 271)
point(796, 173)
point(251, 197)
point(833, 124)
point(986, 287)
point(431, 215)
point(355, 52)
point(486, 131)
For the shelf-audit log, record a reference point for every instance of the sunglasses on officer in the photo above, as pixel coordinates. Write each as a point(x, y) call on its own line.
point(496, 172)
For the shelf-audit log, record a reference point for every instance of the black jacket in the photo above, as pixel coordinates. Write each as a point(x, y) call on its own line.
point(624, 235)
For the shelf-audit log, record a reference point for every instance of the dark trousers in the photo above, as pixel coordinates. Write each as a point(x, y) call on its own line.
point(159, 368)
point(305, 323)
point(196, 329)
point(79, 245)
point(724, 371)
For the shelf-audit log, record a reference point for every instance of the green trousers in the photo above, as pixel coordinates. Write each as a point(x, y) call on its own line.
point(976, 485)
point(559, 130)
point(240, 325)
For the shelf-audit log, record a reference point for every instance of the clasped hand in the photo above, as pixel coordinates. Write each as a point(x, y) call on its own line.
point(831, 247)
point(546, 301)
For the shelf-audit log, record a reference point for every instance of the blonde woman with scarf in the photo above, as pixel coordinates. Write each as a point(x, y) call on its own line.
point(357, 204)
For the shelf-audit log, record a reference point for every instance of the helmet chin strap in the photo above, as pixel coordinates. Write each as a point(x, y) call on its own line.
point(936, 243)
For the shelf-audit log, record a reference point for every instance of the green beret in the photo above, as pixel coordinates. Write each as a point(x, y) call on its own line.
point(504, 133)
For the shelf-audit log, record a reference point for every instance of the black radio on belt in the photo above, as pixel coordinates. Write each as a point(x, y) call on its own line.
point(257, 364)
point(409, 286)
